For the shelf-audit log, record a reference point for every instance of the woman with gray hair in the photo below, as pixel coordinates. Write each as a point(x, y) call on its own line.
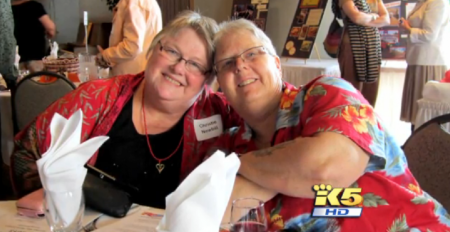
point(160, 122)
point(297, 144)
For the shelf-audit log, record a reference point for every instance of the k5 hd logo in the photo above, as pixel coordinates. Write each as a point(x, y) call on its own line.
point(339, 206)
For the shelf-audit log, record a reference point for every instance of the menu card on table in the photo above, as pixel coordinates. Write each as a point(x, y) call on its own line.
point(143, 219)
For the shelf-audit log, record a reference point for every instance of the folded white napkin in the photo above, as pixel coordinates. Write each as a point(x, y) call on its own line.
point(53, 51)
point(199, 203)
point(436, 91)
point(61, 168)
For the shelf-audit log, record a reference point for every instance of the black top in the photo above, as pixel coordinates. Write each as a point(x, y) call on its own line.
point(29, 31)
point(126, 156)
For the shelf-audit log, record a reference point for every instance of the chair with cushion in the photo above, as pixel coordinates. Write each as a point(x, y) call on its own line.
point(428, 154)
point(31, 97)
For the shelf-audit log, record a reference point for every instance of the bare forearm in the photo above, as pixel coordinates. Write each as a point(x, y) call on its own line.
point(243, 188)
point(380, 21)
point(292, 168)
point(363, 19)
point(278, 168)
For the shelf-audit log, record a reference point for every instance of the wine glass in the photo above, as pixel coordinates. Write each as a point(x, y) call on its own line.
point(247, 215)
point(87, 69)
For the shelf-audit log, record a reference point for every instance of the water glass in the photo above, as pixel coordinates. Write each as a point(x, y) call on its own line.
point(247, 215)
point(70, 204)
point(87, 69)
point(103, 73)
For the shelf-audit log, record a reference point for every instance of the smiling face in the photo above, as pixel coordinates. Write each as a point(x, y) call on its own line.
point(174, 79)
point(251, 84)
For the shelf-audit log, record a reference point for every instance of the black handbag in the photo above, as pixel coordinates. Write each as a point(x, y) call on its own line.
point(104, 194)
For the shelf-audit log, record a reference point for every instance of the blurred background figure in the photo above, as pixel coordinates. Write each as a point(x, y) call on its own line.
point(427, 52)
point(7, 44)
point(9, 73)
point(360, 49)
point(135, 24)
point(33, 28)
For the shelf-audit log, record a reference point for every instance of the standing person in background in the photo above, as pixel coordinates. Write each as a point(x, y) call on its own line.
point(7, 70)
point(360, 49)
point(32, 26)
point(135, 24)
point(427, 52)
point(7, 44)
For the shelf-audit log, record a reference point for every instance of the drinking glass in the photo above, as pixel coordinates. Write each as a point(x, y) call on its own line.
point(247, 215)
point(103, 73)
point(87, 69)
point(71, 204)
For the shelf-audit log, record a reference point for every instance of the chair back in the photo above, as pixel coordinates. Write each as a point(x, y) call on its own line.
point(31, 97)
point(428, 154)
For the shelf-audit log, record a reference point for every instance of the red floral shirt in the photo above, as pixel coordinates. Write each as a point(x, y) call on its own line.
point(393, 200)
point(101, 102)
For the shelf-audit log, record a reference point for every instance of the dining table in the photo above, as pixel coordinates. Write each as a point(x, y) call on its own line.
point(139, 219)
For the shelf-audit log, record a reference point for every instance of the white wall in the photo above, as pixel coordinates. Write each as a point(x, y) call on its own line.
point(67, 15)
point(220, 10)
point(281, 14)
point(98, 11)
point(66, 20)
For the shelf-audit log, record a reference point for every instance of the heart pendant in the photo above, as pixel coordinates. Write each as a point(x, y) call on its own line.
point(159, 167)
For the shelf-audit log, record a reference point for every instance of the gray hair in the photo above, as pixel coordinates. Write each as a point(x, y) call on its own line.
point(204, 26)
point(234, 26)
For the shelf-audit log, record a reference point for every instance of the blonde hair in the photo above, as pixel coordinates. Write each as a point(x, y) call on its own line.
point(205, 27)
point(234, 26)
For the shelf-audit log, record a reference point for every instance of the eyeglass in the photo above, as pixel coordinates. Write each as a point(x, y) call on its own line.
point(249, 55)
point(174, 56)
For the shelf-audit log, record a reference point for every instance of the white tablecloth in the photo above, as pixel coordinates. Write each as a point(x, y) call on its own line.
point(297, 72)
point(430, 109)
point(390, 89)
point(92, 220)
point(7, 131)
point(389, 100)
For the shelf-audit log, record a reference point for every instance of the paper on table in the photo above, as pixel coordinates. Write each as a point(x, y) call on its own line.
point(61, 168)
point(200, 201)
point(145, 219)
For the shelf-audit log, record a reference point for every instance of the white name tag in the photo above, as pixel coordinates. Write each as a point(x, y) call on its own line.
point(208, 127)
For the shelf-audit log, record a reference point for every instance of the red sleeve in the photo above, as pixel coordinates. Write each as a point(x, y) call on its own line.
point(229, 116)
point(332, 104)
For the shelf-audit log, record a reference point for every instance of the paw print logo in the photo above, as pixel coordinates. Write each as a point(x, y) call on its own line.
point(337, 196)
point(322, 192)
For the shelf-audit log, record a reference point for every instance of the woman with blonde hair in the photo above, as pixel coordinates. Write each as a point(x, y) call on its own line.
point(160, 122)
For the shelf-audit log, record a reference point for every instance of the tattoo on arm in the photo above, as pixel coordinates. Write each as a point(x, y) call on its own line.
point(269, 151)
